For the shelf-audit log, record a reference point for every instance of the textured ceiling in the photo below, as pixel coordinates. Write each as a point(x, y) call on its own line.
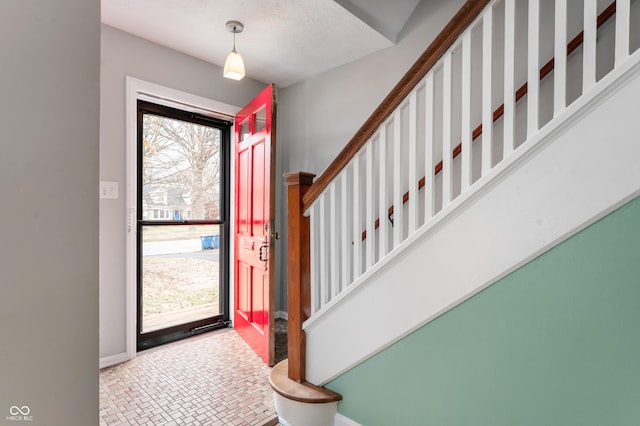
point(284, 41)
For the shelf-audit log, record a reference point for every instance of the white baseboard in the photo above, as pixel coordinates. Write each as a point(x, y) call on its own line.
point(111, 360)
point(281, 315)
point(341, 420)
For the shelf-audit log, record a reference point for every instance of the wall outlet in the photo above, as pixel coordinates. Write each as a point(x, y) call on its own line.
point(109, 190)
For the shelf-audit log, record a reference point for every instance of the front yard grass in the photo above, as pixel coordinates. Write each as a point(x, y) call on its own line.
point(175, 283)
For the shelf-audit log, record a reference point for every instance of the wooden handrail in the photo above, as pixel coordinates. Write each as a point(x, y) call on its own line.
point(546, 69)
point(462, 19)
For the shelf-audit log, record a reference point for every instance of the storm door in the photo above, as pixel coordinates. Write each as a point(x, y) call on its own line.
point(182, 224)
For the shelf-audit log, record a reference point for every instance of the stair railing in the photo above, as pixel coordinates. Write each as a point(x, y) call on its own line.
point(372, 199)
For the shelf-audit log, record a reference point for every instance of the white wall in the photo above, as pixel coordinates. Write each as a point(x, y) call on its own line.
point(126, 55)
point(49, 129)
point(318, 116)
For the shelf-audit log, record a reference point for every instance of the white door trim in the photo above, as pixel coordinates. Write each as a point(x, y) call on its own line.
point(140, 89)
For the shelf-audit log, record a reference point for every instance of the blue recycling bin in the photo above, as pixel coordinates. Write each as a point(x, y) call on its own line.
point(209, 242)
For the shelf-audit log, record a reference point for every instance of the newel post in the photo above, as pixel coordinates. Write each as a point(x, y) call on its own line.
point(299, 272)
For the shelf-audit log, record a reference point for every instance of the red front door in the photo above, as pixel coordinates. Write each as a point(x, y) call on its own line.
point(254, 216)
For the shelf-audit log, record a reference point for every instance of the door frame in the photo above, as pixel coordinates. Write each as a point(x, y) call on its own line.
point(137, 89)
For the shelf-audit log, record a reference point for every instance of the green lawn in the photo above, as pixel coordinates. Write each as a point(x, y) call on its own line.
point(172, 284)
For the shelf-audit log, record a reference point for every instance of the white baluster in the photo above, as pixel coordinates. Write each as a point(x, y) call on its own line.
point(315, 281)
point(466, 159)
point(508, 119)
point(383, 208)
point(429, 162)
point(589, 45)
point(487, 84)
point(324, 259)
point(397, 180)
point(447, 152)
point(623, 14)
point(333, 237)
point(560, 59)
point(533, 75)
point(370, 208)
point(412, 203)
point(357, 219)
point(345, 237)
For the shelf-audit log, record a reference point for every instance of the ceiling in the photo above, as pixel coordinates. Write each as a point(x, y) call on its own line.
point(283, 42)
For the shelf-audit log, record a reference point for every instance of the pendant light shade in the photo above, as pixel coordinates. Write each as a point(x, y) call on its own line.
point(234, 65)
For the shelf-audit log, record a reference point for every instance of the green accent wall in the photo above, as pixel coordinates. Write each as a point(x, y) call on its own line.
point(557, 342)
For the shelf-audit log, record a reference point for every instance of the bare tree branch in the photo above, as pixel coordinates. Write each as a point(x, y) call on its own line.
point(178, 154)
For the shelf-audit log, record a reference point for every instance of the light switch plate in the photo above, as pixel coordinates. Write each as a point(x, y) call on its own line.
point(109, 190)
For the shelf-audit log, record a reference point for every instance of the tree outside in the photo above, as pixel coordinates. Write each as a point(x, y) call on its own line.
point(181, 170)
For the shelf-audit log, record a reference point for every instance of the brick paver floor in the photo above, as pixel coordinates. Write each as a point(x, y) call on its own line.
point(212, 379)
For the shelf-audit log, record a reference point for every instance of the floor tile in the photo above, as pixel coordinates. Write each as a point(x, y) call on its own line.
point(212, 379)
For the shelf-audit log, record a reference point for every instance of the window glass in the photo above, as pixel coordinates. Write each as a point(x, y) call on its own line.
point(244, 131)
point(181, 169)
point(261, 119)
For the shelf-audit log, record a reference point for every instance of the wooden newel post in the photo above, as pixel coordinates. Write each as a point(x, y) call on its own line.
point(299, 272)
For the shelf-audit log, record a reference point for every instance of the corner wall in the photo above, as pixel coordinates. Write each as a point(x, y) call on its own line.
point(49, 101)
point(553, 343)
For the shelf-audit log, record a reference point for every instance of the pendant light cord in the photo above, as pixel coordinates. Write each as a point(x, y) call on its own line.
point(234, 38)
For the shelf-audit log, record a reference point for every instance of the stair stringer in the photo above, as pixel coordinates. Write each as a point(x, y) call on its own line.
point(581, 166)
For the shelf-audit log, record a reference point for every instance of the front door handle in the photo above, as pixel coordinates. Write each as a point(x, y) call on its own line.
point(263, 252)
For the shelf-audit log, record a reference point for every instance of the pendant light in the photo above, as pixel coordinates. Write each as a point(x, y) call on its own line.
point(234, 66)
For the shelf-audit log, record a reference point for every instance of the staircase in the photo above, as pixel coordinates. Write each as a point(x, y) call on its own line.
point(515, 130)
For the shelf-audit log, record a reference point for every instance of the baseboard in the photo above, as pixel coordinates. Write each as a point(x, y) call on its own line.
point(341, 420)
point(281, 315)
point(111, 360)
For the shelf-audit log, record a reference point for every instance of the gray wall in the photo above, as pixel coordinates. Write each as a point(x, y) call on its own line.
point(126, 55)
point(318, 116)
point(49, 86)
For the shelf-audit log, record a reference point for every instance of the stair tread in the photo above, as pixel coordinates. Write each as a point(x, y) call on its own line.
point(301, 392)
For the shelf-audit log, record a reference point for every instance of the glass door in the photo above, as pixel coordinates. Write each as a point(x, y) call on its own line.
point(182, 232)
